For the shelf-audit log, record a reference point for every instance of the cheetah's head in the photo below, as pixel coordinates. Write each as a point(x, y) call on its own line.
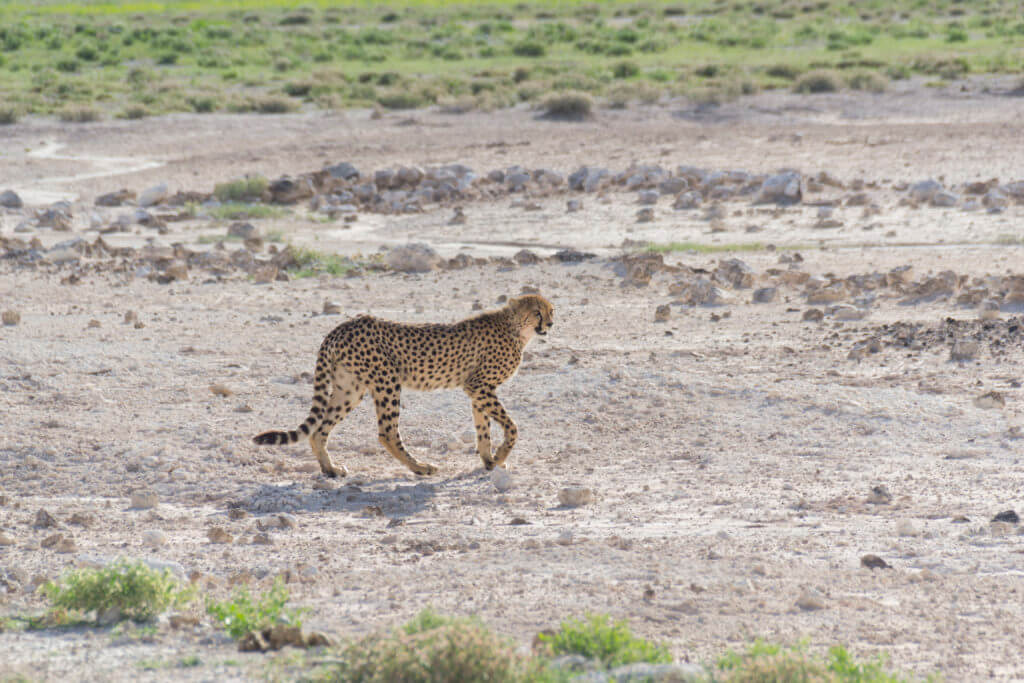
point(533, 313)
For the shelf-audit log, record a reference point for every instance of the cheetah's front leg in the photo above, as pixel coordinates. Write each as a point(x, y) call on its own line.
point(486, 402)
point(483, 435)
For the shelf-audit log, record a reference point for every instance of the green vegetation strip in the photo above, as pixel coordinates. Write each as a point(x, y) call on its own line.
point(83, 61)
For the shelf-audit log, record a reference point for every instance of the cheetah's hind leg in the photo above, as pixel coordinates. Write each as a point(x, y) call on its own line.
point(346, 395)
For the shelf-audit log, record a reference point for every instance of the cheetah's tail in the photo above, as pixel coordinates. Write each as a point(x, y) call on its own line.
point(321, 392)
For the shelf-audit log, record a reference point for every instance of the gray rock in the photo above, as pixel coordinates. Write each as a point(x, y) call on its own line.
point(765, 295)
point(588, 178)
point(574, 205)
point(687, 200)
point(496, 176)
point(409, 175)
point(115, 198)
point(1014, 189)
point(415, 257)
point(995, 200)
point(925, 190)
point(9, 199)
point(153, 195)
point(782, 188)
point(243, 230)
point(945, 198)
point(384, 177)
point(673, 186)
point(648, 197)
point(517, 181)
point(343, 170)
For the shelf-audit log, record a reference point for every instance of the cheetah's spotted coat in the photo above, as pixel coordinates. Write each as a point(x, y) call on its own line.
point(365, 353)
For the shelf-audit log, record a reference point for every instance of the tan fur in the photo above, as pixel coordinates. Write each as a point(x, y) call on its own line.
point(383, 357)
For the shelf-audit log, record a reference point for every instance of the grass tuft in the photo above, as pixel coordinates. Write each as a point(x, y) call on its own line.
point(137, 591)
point(570, 105)
point(79, 114)
point(601, 638)
point(244, 613)
point(819, 81)
point(244, 189)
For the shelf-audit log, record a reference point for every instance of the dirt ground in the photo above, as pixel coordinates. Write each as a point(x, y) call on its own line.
point(732, 449)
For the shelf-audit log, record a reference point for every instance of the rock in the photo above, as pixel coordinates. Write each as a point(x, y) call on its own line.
point(574, 496)
point(115, 198)
point(925, 190)
point(645, 215)
point(144, 500)
point(906, 527)
point(963, 351)
point(589, 178)
point(647, 197)
point(57, 218)
point(154, 537)
point(662, 313)
point(673, 185)
point(879, 495)
point(810, 600)
point(1007, 516)
point(217, 534)
point(945, 198)
point(574, 205)
point(6, 540)
point(874, 562)
point(572, 256)
point(9, 199)
point(699, 292)
point(458, 217)
point(990, 400)
point(269, 273)
point(243, 230)
point(525, 257)
point(501, 479)
point(344, 170)
point(176, 270)
point(846, 312)
point(415, 257)
point(153, 195)
point(735, 273)
point(782, 188)
point(764, 295)
point(221, 390)
point(687, 200)
point(10, 317)
point(988, 310)
point(994, 200)
point(331, 307)
point(44, 520)
point(262, 538)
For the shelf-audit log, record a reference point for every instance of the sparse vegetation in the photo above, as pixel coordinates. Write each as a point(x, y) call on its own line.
point(704, 248)
point(132, 588)
point(309, 262)
point(8, 115)
point(244, 612)
point(58, 54)
point(237, 211)
point(567, 106)
point(243, 189)
point(79, 114)
point(819, 81)
point(602, 638)
point(764, 661)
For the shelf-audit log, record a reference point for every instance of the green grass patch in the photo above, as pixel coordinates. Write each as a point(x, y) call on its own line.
point(602, 638)
point(763, 661)
point(244, 189)
point(244, 612)
point(242, 210)
point(135, 590)
point(310, 262)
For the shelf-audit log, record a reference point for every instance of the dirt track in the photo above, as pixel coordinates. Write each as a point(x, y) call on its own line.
point(732, 449)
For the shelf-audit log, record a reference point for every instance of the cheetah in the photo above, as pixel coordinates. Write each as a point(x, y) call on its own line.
point(366, 353)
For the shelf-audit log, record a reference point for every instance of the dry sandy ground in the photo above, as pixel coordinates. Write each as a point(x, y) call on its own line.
point(731, 449)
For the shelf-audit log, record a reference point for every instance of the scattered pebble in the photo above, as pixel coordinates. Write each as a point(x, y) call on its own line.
point(220, 390)
point(10, 317)
point(44, 520)
point(219, 535)
point(144, 500)
point(813, 315)
point(574, 496)
point(879, 495)
point(332, 308)
point(906, 527)
point(811, 600)
point(154, 538)
point(501, 478)
point(662, 313)
point(990, 400)
point(874, 562)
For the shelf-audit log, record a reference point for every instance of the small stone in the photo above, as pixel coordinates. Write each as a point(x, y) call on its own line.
point(144, 500)
point(114, 198)
point(501, 479)
point(10, 317)
point(262, 538)
point(332, 308)
point(51, 540)
point(811, 600)
point(237, 513)
point(9, 199)
point(154, 538)
point(219, 535)
point(687, 200)
point(813, 315)
point(268, 273)
point(177, 270)
point(458, 217)
point(1007, 516)
point(906, 527)
point(879, 495)
point(648, 197)
point(5, 539)
point(574, 205)
point(565, 537)
point(93, 324)
point(988, 310)
point(964, 351)
point(925, 190)
point(44, 520)
point(153, 195)
point(990, 400)
point(220, 390)
point(287, 521)
point(243, 230)
point(130, 317)
point(662, 313)
point(574, 496)
point(416, 257)
point(874, 562)
point(645, 215)
point(764, 295)
point(945, 199)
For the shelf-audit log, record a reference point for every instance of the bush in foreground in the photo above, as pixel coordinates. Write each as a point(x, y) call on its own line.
point(135, 590)
point(601, 638)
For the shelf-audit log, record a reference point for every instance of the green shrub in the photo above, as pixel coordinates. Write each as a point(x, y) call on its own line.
point(431, 648)
point(401, 99)
point(273, 105)
point(529, 48)
point(134, 112)
point(570, 105)
point(601, 638)
point(625, 70)
point(772, 662)
point(249, 187)
point(244, 613)
point(871, 81)
point(202, 105)
point(238, 211)
point(297, 89)
point(137, 591)
point(785, 71)
point(818, 81)
point(78, 114)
